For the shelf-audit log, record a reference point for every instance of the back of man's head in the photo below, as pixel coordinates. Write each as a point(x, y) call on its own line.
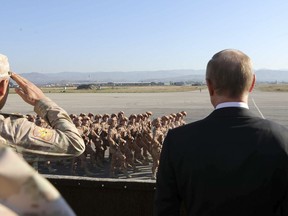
point(230, 72)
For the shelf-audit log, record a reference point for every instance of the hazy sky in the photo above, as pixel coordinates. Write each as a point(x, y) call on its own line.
point(137, 35)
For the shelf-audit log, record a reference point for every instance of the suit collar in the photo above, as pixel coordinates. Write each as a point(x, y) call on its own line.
point(231, 112)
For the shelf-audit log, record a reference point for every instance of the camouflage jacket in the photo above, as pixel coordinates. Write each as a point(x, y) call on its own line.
point(33, 141)
point(25, 192)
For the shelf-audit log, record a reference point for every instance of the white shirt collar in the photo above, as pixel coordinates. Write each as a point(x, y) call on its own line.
point(232, 104)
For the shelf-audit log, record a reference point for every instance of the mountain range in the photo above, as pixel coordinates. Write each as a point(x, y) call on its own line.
point(64, 78)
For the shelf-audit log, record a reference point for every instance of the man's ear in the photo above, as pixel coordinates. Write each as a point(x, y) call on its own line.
point(253, 83)
point(210, 87)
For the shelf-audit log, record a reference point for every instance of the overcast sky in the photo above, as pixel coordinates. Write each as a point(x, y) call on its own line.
point(140, 35)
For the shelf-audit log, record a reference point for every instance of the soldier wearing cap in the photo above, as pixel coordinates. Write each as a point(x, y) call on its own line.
point(171, 121)
point(184, 114)
point(158, 138)
point(81, 161)
point(36, 142)
point(104, 122)
point(140, 140)
point(120, 116)
point(132, 130)
point(97, 118)
point(104, 133)
point(118, 159)
point(177, 121)
point(164, 124)
point(125, 147)
point(91, 116)
point(90, 145)
point(96, 131)
point(146, 136)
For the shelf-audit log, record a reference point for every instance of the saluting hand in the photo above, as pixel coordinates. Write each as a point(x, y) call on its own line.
point(29, 92)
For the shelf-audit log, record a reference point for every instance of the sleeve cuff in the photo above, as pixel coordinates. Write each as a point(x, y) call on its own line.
point(42, 106)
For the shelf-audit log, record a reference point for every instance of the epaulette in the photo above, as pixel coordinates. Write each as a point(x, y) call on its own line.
point(17, 115)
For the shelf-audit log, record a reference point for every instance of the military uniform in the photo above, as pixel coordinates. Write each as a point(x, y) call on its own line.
point(33, 141)
point(158, 139)
point(25, 192)
point(118, 159)
point(22, 190)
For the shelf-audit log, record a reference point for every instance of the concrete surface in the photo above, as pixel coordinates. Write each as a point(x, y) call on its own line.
point(273, 105)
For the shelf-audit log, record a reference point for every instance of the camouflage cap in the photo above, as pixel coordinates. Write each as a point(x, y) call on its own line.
point(184, 113)
point(113, 119)
point(173, 114)
point(165, 118)
point(113, 115)
point(140, 116)
point(121, 113)
point(106, 115)
point(77, 119)
point(149, 113)
point(72, 115)
point(155, 121)
point(124, 119)
point(4, 66)
point(97, 116)
point(86, 118)
point(132, 116)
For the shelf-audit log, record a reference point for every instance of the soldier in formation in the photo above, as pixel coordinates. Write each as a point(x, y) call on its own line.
point(125, 142)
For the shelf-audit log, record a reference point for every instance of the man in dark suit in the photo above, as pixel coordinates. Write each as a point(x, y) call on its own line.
point(229, 163)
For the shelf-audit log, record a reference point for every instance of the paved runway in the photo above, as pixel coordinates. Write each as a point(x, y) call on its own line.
point(273, 105)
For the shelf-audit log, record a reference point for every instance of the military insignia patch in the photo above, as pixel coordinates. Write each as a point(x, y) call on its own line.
point(43, 133)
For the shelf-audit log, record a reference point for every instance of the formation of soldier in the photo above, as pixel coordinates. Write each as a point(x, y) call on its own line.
point(125, 141)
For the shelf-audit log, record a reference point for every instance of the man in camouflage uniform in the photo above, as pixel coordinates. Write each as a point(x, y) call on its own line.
point(178, 121)
point(104, 133)
point(158, 138)
point(133, 131)
point(164, 124)
point(141, 140)
point(80, 163)
point(95, 134)
point(147, 136)
point(120, 116)
point(125, 146)
point(118, 159)
point(184, 114)
point(23, 190)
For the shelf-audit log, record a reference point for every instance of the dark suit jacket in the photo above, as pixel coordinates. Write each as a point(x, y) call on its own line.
point(230, 163)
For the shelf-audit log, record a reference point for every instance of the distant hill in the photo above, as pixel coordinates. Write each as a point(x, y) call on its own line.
point(266, 75)
point(63, 78)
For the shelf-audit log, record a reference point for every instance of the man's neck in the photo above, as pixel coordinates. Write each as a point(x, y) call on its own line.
point(222, 99)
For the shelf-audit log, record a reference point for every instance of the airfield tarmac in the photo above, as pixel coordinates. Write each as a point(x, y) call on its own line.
point(272, 105)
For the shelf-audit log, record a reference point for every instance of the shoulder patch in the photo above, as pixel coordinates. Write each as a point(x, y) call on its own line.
point(43, 133)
